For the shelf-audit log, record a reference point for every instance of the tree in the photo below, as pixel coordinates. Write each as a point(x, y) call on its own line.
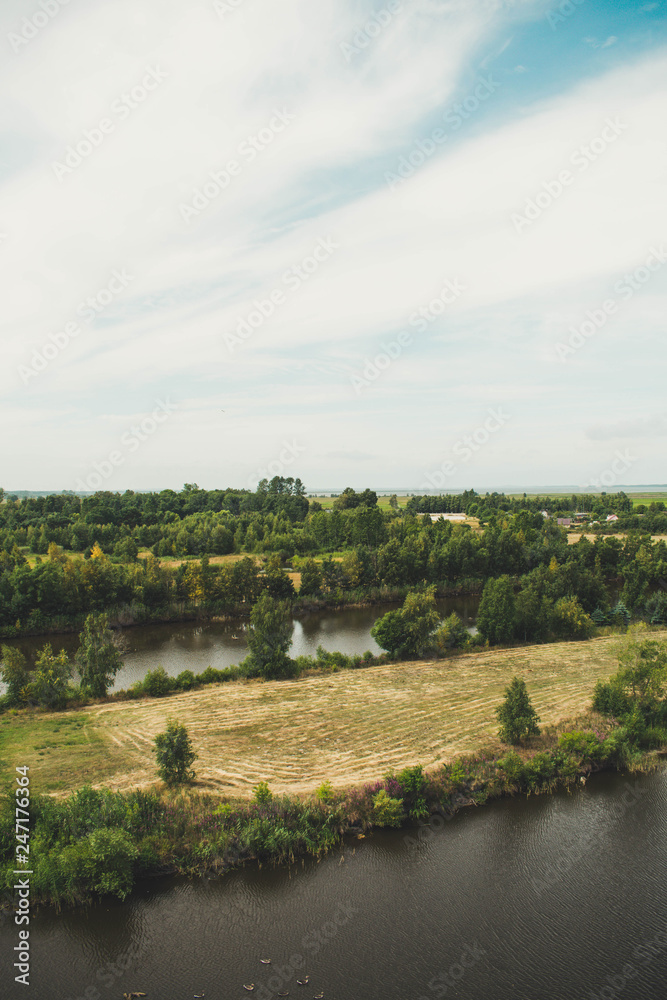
point(311, 579)
point(408, 631)
point(516, 715)
point(14, 672)
point(269, 638)
point(390, 633)
point(174, 753)
point(452, 634)
point(97, 658)
point(52, 673)
point(420, 616)
point(496, 617)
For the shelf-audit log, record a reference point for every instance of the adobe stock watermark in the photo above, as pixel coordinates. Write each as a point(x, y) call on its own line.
point(31, 26)
point(88, 309)
point(571, 851)
point(121, 109)
point(248, 150)
point(581, 158)
point(558, 14)
point(224, 7)
point(288, 455)
point(618, 467)
point(643, 954)
point(292, 279)
point(466, 447)
point(375, 25)
point(311, 944)
point(130, 441)
point(108, 974)
point(423, 149)
point(419, 320)
point(626, 287)
point(440, 985)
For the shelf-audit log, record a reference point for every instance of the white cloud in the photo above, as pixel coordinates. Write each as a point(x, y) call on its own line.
point(320, 177)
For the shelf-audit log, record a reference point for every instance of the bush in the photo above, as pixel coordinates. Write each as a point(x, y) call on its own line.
point(325, 792)
point(586, 747)
point(452, 634)
point(413, 783)
point(186, 680)
point(610, 699)
point(387, 811)
point(512, 766)
point(158, 683)
point(102, 863)
point(175, 755)
point(262, 793)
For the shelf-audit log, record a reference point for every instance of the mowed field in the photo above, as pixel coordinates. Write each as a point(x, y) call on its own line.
point(347, 727)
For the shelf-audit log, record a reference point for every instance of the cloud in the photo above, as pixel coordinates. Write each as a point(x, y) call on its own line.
point(313, 137)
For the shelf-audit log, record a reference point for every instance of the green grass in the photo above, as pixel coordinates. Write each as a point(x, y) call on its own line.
point(57, 747)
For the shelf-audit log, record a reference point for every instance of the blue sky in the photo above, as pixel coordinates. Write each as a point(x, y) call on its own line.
point(434, 256)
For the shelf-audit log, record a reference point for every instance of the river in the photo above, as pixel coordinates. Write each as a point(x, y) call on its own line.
point(555, 897)
point(196, 646)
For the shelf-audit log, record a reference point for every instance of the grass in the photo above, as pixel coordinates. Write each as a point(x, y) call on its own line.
point(213, 560)
point(63, 750)
point(346, 727)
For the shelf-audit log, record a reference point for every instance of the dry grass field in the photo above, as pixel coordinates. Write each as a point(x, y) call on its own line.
point(347, 727)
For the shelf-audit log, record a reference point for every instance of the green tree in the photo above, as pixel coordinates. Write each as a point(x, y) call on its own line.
point(97, 658)
point(269, 638)
point(408, 631)
point(52, 674)
point(175, 755)
point(516, 715)
point(15, 673)
point(452, 634)
point(390, 633)
point(420, 616)
point(496, 618)
point(311, 579)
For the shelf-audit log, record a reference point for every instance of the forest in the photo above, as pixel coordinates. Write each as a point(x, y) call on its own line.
point(152, 556)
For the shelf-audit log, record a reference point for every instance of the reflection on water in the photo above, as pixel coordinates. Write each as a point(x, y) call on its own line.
point(547, 898)
point(195, 646)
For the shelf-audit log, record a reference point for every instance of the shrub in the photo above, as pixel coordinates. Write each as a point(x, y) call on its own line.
point(52, 673)
point(186, 680)
point(262, 793)
point(586, 747)
point(325, 792)
point(175, 755)
point(413, 783)
point(387, 811)
point(610, 699)
point(158, 683)
point(102, 863)
point(14, 672)
point(452, 634)
point(512, 767)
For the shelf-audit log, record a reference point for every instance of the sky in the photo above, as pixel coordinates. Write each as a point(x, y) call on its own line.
point(416, 245)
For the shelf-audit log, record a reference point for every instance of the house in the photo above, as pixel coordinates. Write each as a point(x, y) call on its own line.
point(448, 517)
point(544, 513)
point(612, 517)
point(564, 522)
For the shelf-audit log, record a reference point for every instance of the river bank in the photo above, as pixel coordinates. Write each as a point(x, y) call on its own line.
point(542, 896)
point(98, 842)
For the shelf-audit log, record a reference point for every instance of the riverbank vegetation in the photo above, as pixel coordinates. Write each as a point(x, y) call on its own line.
point(98, 841)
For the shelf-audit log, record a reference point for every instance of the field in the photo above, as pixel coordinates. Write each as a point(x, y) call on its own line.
point(347, 727)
